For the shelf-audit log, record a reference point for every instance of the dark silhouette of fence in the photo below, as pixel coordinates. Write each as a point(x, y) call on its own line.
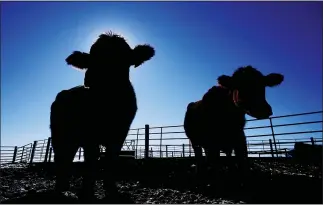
point(141, 141)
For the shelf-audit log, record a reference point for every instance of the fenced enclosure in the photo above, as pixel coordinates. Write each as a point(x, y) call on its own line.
point(272, 137)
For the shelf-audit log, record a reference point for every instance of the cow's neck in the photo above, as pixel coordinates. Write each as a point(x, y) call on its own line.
point(228, 99)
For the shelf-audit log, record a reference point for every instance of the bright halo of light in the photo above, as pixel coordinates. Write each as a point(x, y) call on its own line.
point(92, 35)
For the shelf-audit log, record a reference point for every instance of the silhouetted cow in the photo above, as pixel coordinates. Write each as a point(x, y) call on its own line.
point(217, 121)
point(98, 113)
point(307, 153)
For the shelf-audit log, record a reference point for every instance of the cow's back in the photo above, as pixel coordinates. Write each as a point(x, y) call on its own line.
point(307, 153)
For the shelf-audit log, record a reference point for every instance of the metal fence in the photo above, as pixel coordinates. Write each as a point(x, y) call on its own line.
point(272, 137)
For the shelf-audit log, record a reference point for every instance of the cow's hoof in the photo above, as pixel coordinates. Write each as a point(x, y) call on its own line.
point(61, 190)
point(110, 188)
point(86, 196)
point(68, 194)
point(87, 199)
point(64, 194)
point(118, 198)
point(112, 193)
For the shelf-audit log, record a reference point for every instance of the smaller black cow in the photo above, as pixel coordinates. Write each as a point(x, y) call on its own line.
point(307, 153)
point(217, 121)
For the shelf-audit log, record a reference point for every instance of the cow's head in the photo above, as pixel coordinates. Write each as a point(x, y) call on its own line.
point(248, 88)
point(109, 59)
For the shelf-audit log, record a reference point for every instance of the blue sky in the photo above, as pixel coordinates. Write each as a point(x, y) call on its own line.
point(195, 42)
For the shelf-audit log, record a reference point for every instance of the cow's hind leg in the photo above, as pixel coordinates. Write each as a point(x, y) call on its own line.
point(229, 163)
point(228, 154)
point(200, 165)
point(198, 156)
point(64, 153)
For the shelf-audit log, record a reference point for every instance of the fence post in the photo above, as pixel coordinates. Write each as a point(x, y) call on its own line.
point(285, 152)
point(50, 154)
point(33, 152)
point(80, 152)
point(183, 150)
point(140, 152)
point(146, 141)
point(137, 143)
point(271, 148)
point(14, 154)
point(22, 153)
point(161, 141)
point(278, 152)
point(47, 149)
point(151, 152)
point(167, 151)
point(312, 141)
point(189, 148)
point(42, 150)
point(273, 133)
point(29, 152)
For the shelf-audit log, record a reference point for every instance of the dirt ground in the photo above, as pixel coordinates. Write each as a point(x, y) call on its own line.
point(173, 182)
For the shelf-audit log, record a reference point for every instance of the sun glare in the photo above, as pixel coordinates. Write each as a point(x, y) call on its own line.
point(87, 35)
point(89, 32)
point(124, 32)
point(91, 37)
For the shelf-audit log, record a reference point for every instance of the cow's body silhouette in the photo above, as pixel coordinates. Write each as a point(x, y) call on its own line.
point(217, 121)
point(307, 153)
point(98, 113)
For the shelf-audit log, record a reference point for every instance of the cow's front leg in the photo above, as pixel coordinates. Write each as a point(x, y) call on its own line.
point(64, 152)
point(229, 163)
point(91, 155)
point(199, 161)
point(212, 159)
point(109, 176)
point(112, 153)
point(241, 152)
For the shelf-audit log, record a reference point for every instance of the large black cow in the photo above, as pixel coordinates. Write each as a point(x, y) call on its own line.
point(98, 113)
point(217, 121)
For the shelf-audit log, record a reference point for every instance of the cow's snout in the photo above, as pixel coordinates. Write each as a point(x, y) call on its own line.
point(260, 111)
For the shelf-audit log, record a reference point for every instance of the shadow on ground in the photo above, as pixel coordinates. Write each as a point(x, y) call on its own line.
point(173, 181)
point(50, 197)
point(269, 182)
point(261, 188)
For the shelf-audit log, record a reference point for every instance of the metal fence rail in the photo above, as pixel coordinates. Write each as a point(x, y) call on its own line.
point(272, 137)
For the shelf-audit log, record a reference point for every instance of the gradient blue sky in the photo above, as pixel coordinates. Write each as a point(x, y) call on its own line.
point(194, 42)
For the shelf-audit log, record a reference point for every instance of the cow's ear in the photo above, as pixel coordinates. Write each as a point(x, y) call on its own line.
point(142, 53)
point(273, 79)
point(79, 60)
point(225, 81)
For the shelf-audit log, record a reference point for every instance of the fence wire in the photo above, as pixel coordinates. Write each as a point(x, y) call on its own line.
point(273, 137)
